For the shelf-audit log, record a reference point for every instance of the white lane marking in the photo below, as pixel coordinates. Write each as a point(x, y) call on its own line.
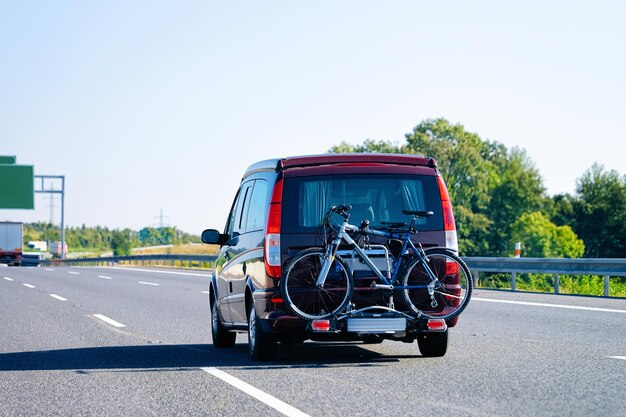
point(8, 279)
point(618, 357)
point(109, 321)
point(525, 303)
point(50, 269)
point(73, 273)
point(264, 397)
point(58, 297)
point(104, 277)
point(205, 292)
point(154, 284)
point(28, 285)
point(163, 272)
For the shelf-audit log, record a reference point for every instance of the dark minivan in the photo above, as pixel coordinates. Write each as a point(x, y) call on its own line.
point(277, 212)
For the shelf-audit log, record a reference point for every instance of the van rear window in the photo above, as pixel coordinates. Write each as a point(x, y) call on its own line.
point(378, 198)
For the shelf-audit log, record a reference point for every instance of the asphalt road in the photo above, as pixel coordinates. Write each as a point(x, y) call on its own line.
point(512, 354)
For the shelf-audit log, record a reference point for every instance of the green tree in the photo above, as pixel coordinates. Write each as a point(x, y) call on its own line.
point(543, 239)
point(120, 243)
point(472, 231)
point(562, 209)
point(51, 233)
point(600, 212)
point(518, 189)
point(460, 158)
point(149, 236)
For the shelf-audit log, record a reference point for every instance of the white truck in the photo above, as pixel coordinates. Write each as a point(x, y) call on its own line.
point(11, 238)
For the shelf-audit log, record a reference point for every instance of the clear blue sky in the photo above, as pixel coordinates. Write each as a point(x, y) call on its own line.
point(150, 105)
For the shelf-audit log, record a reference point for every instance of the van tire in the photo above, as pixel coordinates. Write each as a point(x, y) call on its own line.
point(433, 345)
point(222, 338)
point(261, 345)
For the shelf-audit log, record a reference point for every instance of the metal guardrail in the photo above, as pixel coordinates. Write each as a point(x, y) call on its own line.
point(604, 267)
point(183, 261)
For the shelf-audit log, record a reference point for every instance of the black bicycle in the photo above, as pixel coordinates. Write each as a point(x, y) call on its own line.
point(433, 283)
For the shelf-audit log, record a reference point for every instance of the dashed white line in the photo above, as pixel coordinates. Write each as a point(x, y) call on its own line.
point(526, 303)
point(49, 269)
point(618, 357)
point(154, 284)
point(264, 397)
point(109, 321)
point(73, 273)
point(8, 279)
point(205, 292)
point(104, 277)
point(28, 286)
point(58, 297)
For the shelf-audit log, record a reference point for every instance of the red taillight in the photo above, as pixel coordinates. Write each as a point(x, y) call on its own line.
point(452, 268)
point(446, 205)
point(320, 325)
point(277, 193)
point(448, 216)
point(437, 325)
point(272, 232)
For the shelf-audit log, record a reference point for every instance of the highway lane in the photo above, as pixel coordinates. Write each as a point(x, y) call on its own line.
point(504, 359)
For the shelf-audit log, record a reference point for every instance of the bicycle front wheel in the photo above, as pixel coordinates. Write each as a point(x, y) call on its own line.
point(452, 287)
point(300, 291)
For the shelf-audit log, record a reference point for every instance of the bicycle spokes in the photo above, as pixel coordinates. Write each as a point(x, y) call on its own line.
point(441, 290)
point(309, 299)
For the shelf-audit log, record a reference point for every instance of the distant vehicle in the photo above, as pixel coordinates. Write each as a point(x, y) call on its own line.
point(11, 240)
point(55, 248)
point(32, 258)
point(278, 212)
point(40, 245)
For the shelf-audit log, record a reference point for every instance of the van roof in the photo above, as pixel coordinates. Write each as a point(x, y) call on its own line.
point(342, 158)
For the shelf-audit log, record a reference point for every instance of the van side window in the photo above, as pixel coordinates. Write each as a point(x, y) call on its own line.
point(257, 211)
point(246, 193)
point(235, 217)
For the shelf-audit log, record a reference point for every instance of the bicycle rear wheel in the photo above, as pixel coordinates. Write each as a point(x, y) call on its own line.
point(453, 287)
point(300, 292)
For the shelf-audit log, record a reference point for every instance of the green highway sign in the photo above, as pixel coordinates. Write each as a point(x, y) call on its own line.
point(7, 160)
point(17, 187)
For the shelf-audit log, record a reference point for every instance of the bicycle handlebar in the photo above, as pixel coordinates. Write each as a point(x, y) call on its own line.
point(343, 210)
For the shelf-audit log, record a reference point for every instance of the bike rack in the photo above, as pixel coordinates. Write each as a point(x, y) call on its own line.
point(364, 309)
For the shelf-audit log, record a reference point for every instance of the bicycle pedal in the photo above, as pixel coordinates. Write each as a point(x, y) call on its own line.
point(382, 286)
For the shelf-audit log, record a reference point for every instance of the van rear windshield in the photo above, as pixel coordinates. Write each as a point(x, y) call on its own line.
point(378, 198)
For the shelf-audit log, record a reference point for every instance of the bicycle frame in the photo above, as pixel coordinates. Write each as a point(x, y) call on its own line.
point(331, 251)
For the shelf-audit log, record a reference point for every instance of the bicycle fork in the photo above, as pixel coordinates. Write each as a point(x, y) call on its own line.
point(327, 261)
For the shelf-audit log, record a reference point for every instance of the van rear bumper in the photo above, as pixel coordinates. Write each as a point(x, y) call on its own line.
point(276, 320)
point(286, 327)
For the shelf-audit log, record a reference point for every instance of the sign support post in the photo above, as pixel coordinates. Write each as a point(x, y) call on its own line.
point(62, 192)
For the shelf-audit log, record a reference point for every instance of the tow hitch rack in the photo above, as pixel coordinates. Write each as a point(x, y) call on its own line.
point(386, 321)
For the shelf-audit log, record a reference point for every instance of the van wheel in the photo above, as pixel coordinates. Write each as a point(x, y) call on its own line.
point(261, 345)
point(222, 338)
point(433, 345)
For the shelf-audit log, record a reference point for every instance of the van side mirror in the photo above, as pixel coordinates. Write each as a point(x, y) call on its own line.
point(212, 237)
